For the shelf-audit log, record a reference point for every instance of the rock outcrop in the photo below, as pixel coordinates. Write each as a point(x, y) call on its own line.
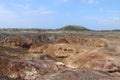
point(58, 56)
point(94, 59)
point(27, 69)
point(78, 74)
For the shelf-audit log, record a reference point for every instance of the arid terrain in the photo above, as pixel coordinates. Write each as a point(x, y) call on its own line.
point(59, 55)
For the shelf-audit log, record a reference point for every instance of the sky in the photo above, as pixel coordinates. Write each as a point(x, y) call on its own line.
point(93, 14)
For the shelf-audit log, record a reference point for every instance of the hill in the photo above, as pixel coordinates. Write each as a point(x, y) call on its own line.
point(74, 28)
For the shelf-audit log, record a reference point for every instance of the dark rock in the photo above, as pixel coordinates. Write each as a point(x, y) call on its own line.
point(78, 74)
point(26, 69)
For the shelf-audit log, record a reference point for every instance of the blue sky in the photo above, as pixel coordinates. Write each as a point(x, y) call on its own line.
point(93, 14)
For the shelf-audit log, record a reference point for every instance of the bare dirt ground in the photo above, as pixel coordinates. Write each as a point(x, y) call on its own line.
point(59, 55)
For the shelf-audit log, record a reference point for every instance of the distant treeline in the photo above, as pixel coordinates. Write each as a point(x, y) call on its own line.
point(75, 28)
point(65, 28)
point(31, 29)
point(116, 30)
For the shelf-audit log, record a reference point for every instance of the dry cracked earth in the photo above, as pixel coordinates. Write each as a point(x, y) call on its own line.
point(84, 55)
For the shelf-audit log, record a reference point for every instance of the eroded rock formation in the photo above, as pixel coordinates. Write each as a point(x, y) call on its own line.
point(27, 69)
point(78, 74)
point(59, 56)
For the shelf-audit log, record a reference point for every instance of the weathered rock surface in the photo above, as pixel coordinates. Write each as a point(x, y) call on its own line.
point(81, 56)
point(78, 74)
point(92, 42)
point(94, 59)
point(27, 69)
point(3, 77)
point(21, 42)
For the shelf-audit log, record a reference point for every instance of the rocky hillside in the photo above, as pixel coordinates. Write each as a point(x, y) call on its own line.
point(57, 56)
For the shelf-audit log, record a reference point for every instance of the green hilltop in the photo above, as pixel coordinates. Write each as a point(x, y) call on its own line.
point(74, 28)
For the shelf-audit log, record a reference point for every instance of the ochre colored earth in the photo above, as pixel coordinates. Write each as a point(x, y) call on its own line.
point(60, 56)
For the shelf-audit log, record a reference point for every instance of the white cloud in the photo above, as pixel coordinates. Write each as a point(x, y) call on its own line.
point(22, 16)
point(3, 11)
point(39, 12)
point(24, 10)
point(91, 1)
point(113, 19)
point(24, 6)
point(65, 0)
point(102, 22)
point(110, 22)
point(109, 11)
